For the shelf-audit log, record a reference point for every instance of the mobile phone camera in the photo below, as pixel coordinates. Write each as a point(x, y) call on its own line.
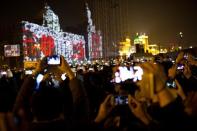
point(171, 84)
point(53, 60)
point(121, 100)
point(180, 67)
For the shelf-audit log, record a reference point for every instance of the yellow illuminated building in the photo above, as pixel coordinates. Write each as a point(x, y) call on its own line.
point(141, 45)
point(153, 49)
point(125, 48)
point(142, 41)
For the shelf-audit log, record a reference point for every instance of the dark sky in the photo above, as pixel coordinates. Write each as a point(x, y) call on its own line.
point(162, 20)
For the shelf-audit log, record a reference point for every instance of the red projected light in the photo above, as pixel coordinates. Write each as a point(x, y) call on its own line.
point(47, 45)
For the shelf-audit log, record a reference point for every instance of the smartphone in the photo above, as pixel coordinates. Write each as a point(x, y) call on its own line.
point(53, 60)
point(121, 100)
point(185, 56)
point(3, 73)
point(170, 83)
point(124, 73)
point(28, 72)
point(63, 76)
point(91, 69)
point(180, 67)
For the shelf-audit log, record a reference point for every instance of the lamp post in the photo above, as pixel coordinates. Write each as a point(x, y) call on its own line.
point(181, 40)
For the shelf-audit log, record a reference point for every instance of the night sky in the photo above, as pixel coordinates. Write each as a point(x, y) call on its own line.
point(162, 20)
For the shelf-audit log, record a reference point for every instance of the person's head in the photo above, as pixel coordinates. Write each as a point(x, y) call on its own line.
point(153, 80)
point(47, 102)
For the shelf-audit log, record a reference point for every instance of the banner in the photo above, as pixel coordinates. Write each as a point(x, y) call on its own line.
point(11, 50)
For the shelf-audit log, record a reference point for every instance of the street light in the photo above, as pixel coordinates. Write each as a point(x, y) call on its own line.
point(128, 40)
point(181, 40)
point(181, 34)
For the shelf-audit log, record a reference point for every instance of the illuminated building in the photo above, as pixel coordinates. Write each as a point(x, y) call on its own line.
point(141, 43)
point(111, 16)
point(163, 50)
point(50, 19)
point(125, 48)
point(46, 40)
point(153, 49)
point(95, 49)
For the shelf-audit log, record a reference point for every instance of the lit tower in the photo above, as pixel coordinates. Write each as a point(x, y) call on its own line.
point(112, 17)
point(50, 19)
point(90, 29)
point(125, 48)
point(95, 50)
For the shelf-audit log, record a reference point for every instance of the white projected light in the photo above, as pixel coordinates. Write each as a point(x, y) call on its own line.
point(46, 40)
point(94, 38)
point(64, 43)
point(38, 80)
point(63, 76)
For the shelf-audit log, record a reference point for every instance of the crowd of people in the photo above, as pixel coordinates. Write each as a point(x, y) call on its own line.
point(121, 96)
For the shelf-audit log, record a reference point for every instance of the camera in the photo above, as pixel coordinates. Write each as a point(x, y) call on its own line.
point(171, 83)
point(121, 100)
point(53, 60)
point(185, 56)
point(180, 67)
point(3, 73)
point(125, 73)
point(28, 72)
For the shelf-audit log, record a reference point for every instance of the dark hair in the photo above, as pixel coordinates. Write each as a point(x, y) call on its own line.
point(47, 103)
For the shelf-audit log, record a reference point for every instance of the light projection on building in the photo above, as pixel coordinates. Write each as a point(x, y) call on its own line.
point(50, 19)
point(94, 38)
point(39, 41)
point(46, 40)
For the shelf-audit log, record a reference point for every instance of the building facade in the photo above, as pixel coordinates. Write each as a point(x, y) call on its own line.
point(111, 17)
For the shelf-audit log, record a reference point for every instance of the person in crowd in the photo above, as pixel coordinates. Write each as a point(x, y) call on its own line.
point(184, 71)
point(53, 98)
point(11, 122)
point(47, 107)
point(164, 111)
point(8, 91)
point(78, 107)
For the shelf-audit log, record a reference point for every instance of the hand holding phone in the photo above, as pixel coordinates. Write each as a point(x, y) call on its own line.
point(180, 67)
point(120, 100)
point(105, 109)
point(170, 83)
point(65, 68)
point(138, 110)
